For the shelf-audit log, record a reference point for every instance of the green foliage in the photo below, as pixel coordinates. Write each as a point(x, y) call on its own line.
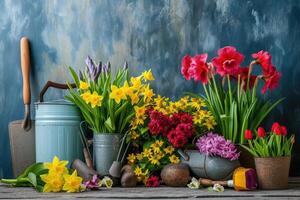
point(236, 109)
point(29, 178)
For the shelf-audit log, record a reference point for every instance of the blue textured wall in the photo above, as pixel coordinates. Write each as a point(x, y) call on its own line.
point(146, 33)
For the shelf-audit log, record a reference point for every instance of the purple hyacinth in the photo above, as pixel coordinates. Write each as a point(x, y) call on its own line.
point(92, 70)
point(216, 145)
point(92, 184)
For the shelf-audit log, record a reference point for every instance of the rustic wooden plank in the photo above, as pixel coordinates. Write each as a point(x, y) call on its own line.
point(153, 193)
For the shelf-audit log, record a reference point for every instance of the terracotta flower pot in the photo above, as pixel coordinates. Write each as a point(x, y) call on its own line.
point(272, 172)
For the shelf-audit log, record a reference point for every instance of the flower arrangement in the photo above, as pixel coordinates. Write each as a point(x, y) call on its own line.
point(107, 101)
point(215, 145)
point(273, 144)
point(161, 127)
point(236, 107)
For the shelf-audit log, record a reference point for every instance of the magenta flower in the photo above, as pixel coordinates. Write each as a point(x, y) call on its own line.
point(215, 145)
point(92, 184)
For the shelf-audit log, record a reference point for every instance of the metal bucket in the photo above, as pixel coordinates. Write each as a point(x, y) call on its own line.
point(57, 129)
point(210, 167)
point(105, 151)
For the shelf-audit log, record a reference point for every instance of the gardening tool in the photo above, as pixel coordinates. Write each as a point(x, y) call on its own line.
point(83, 170)
point(86, 151)
point(243, 179)
point(21, 132)
point(57, 128)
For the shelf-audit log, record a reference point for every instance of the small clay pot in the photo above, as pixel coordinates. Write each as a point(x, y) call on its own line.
point(176, 175)
point(272, 172)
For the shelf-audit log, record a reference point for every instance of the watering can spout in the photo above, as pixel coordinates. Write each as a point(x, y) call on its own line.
point(183, 155)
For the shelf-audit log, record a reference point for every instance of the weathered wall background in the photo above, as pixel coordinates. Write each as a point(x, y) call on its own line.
point(147, 34)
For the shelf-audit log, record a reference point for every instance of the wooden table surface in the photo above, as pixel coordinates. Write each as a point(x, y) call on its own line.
point(154, 193)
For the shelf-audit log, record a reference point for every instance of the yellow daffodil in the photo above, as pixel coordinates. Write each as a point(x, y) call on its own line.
point(134, 98)
point(53, 182)
point(107, 182)
point(139, 120)
point(174, 159)
point(83, 85)
point(148, 93)
point(117, 94)
point(86, 97)
point(72, 182)
point(95, 99)
point(138, 171)
point(139, 111)
point(147, 75)
point(136, 82)
point(131, 159)
point(57, 166)
point(126, 89)
point(169, 150)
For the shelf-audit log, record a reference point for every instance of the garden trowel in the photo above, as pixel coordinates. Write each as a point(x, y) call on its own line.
point(22, 132)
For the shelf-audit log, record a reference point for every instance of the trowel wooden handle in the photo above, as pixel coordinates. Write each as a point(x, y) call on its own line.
point(25, 66)
point(207, 182)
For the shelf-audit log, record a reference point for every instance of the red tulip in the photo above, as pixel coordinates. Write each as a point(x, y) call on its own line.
point(261, 132)
point(228, 61)
point(248, 134)
point(276, 128)
point(283, 130)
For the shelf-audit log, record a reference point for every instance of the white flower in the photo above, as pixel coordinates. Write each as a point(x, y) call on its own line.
point(194, 184)
point(108, 182)
point(218, 188)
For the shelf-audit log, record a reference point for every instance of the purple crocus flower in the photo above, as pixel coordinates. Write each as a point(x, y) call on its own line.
point(216, 145)
point(92, 184)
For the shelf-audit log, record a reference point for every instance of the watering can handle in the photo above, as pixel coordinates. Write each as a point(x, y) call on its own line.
point(184, 155)
point(54, 85)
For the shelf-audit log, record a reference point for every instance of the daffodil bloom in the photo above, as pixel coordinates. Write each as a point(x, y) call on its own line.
point(131, 159)
point(72, 182)
point(148, 93)
point(53, 182)
point(169, 150)
point(194, 184)
point(127, 89)
point(139, 111)
point(136, 82)
point(86, 97)
point(57, 166)
point(134, 98)
point(96, 100)
point(139, 120)
point(174, 159)
point(108, 182)
point(117, 94)
point(147, 75)
point(83, 85)
point(138, 171)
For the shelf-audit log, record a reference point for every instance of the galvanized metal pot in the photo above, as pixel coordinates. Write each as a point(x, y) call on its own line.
point(272, 172)
point(203, 166)
point(105, 148)
point(57, 131)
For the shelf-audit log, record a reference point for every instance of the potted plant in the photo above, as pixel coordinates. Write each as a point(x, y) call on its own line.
point(231, 90)
point(107, 103)
point(272, 155)
point(216, 157)
point(161, 128)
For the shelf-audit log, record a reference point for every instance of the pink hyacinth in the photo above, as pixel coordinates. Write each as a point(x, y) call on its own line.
point(216, 145)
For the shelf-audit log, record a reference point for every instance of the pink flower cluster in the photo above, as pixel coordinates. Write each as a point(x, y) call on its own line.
point(215, 145)
point(228, 62)
point(177, 129)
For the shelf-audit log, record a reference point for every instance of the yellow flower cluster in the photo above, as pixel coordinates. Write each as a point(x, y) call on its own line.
point(155, 156)
point(93, 98)
point(135, 89)
point(58, 178)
